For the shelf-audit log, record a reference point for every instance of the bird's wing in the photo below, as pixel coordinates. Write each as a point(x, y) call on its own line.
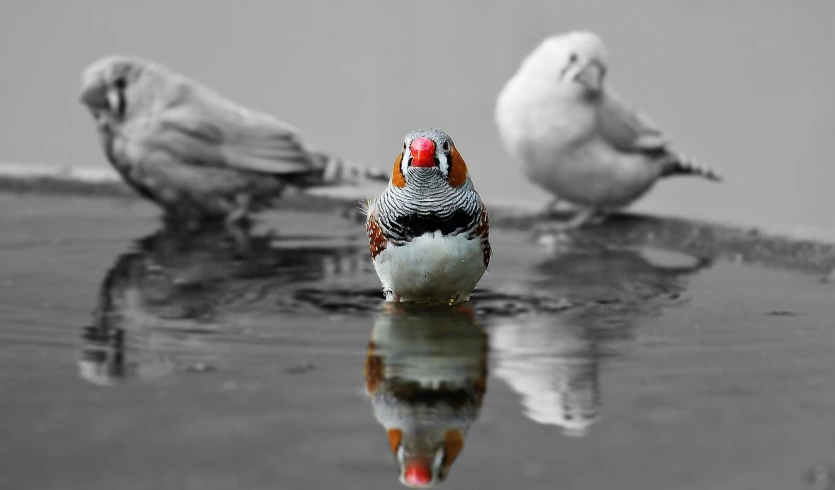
point(627, 129)
point(203, 129)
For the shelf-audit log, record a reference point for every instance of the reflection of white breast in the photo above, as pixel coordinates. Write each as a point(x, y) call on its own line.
point(429, 356)
point(553, 367)
point(426, 364)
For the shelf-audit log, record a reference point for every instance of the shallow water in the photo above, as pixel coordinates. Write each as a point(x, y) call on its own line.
point(135, 358)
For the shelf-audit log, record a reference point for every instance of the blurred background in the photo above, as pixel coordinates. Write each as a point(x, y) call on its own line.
point(745, 86)
point(138, 355)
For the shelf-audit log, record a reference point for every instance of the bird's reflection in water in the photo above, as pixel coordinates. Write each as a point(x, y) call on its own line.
point(553, 360)
point(426, 376)
point(175, 290)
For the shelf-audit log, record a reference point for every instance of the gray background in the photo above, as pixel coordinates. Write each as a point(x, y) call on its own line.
point(743, 85)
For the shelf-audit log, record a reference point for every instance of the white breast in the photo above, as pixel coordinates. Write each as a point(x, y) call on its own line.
point(431, 268)
point(537, 123)
point(552, 133)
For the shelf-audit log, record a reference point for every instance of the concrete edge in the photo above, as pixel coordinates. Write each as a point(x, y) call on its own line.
point(808, 250)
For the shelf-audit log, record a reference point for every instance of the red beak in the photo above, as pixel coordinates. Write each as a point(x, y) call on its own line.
point(423, 152)
point(418, 473)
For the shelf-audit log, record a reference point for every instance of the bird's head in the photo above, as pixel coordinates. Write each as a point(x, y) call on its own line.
point(425, 456)
point(116, 86)
point(427, 161)
point(576, 61)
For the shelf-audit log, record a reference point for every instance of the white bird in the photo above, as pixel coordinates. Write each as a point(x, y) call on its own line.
point(575, 137)
point(428, 233)
point(554, 366)
point(194, 153)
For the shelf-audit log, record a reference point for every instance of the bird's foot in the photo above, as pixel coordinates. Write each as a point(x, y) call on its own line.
point(552, 209)
point(582, 217)
point(595, 219)
point(457, 300)
point(390, 296)
point(585, 217)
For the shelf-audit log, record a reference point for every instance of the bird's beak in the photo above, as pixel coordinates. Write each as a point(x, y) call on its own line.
point(425, 470)
point(423, 152)
point(417, 472)
point(97, 96)
point(591, 75)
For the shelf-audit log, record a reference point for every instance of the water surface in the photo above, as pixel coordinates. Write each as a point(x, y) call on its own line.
point(139, 357)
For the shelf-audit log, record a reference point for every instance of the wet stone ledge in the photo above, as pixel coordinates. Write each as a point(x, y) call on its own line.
point(709, 241)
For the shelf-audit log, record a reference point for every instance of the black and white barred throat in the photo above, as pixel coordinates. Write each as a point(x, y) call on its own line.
point(428, 204)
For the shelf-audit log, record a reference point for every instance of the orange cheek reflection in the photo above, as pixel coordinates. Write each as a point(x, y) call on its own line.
point(453, 444)
point(395, 436)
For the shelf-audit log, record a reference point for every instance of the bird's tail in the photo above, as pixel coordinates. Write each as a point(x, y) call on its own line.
point(336, 171)
point(684, 165)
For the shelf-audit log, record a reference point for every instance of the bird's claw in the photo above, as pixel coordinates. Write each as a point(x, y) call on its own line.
point(561, 228)
point(550, 228)
point(552, 209)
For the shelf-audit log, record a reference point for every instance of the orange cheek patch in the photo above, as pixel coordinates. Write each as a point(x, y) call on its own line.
point(397, 177)
point(457, 169)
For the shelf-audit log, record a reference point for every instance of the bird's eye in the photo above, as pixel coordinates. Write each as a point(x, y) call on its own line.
point(404, 145)
point(445, 146)
point(572, 58)
point(120, 83)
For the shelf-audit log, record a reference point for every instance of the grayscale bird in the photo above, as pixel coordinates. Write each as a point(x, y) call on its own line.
point(575, 137)
point(196, 154)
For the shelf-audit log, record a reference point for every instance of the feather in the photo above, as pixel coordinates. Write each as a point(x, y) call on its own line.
point(202, 136)
point(627, 129)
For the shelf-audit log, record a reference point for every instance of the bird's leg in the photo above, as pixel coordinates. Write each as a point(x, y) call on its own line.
point(582, 217)
point(390, 296)
point(241, 210)
point(237, 225)
point(585, 216)
point(597, 217)
point(239, 232)
point(551, 207)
